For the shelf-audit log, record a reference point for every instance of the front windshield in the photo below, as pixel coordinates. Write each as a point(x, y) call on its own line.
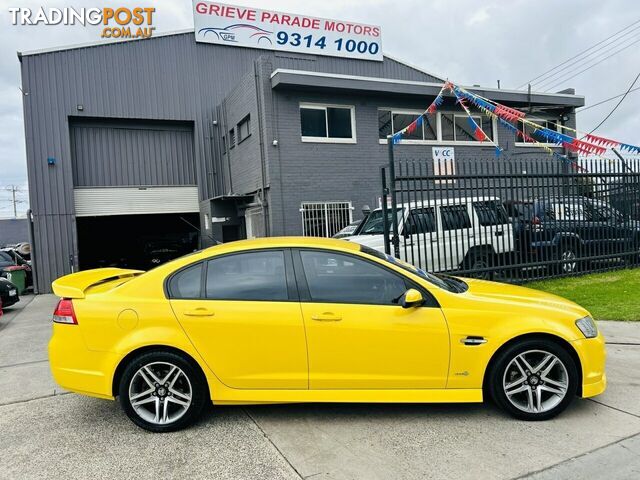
point(373, 225)
point(429, 277)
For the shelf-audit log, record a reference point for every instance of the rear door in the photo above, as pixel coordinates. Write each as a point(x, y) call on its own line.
point(493, 226)
point(242, 314)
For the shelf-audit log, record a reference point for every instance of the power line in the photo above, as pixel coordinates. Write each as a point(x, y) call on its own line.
point(586, 60)
point(590, 56)
point(606, 100)
point(579, 54)
point(590, 67)
point(616, 107)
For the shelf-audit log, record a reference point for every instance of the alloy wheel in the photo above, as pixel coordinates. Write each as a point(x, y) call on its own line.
point(535, 381)
point(160, 393)
point(568, 261)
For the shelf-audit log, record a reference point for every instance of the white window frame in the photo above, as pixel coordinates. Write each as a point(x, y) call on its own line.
point(324, 106)
point(529, 144)
point(325, 207)
point(440, 141)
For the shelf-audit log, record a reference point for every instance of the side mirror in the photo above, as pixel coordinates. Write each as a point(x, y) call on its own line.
point(411, 298)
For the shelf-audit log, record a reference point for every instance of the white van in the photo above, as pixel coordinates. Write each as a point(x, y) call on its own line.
point(446, 234)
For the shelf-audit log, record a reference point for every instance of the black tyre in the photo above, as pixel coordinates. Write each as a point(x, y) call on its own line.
point(479, 260)
point(162, 391)
point(534, 379)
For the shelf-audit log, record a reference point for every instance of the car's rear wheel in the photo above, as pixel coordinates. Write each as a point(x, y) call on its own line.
point(162, 391)
point(568, 256)
point(534, 379)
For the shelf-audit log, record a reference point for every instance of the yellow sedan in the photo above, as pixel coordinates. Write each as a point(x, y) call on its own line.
point(292, 319)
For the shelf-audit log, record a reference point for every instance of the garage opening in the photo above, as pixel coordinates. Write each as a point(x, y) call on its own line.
point(135, 241)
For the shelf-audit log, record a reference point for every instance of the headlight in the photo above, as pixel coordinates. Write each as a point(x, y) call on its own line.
point(587, 326)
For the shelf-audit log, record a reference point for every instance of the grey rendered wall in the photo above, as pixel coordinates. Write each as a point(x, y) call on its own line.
point(124, 153)
point(13, 230)
point(163, 78)
point(347, 172)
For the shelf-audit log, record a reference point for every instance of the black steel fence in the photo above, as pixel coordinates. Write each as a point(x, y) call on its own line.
point(512, 220)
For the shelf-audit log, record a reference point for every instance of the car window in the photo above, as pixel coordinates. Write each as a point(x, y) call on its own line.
point(338, 278)
point(569, 210)
point(490, 212)
point(455, 217)
point(421, 220)
point(187, 283)
point(247, 276)
point(5, 257)
point(373, 225)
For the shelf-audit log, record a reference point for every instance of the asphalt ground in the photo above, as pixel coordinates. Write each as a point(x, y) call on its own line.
point(48, 433)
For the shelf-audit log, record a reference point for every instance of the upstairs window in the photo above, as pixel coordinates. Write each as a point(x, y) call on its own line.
point(327, 123)
point(391, 121)
point(529, 129)
point(458, 128)
point(244, 128)
point(232, 138)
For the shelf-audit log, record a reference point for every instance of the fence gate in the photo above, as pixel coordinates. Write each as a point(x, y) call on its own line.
point(513, 220)
point(325, 219)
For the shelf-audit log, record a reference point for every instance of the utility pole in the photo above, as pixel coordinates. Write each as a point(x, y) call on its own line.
point(14, 189)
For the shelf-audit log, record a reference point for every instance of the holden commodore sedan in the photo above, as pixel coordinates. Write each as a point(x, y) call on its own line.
point(283, 320)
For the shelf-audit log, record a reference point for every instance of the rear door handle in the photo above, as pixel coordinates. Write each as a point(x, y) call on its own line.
point(326, 317)
point(199, 312)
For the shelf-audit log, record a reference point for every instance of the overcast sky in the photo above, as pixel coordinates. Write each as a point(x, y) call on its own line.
point(469, 42)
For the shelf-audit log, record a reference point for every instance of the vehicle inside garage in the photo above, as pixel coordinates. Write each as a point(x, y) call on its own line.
point(135, 241)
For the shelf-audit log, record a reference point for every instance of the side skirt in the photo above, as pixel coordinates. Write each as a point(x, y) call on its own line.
point(228, 396)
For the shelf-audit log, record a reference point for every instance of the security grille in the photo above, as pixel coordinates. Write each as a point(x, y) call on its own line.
point(325, 219)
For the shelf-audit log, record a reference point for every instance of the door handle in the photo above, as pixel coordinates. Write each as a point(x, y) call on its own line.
point(199, 312)
point(499, 233)
point(326, 317)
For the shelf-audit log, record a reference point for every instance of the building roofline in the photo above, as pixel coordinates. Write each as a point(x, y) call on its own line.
point(332, 80)
point(98, 43)
point(412, 66)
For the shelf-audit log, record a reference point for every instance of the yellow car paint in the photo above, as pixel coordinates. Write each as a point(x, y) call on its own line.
point(267, 352)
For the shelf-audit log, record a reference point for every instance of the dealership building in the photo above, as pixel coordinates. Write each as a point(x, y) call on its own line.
point(141, 150)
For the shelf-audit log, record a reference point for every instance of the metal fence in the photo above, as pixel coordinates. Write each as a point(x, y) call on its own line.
point(511, 220)
point(325, 219)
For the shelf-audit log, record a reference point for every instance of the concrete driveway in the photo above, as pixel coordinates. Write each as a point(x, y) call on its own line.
point(46, 432)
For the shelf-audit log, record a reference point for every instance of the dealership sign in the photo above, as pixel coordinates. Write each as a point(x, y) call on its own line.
point(266, 29)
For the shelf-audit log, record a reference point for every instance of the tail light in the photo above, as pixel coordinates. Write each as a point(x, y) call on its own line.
point(64, 312)
point(536, 224)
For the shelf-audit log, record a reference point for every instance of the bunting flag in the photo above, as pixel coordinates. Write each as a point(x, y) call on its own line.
point(418, 122)
point(540, 136)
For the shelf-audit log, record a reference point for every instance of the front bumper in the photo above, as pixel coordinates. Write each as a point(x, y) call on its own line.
point(593, 358)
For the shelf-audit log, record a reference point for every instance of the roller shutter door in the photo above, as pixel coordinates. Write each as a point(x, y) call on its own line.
point(135, 200)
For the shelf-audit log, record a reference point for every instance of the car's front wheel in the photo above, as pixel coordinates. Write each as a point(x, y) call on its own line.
point(534, 379)
point(162, 391)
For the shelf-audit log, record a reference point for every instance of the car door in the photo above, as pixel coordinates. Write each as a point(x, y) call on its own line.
point(358, 336)
point(242, 314)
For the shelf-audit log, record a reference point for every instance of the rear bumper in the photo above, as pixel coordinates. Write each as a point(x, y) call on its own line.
point(593, 358)
point(8, 301)
point(76, 368)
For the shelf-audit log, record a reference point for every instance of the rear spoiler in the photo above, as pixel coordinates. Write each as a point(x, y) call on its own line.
point(75, 284)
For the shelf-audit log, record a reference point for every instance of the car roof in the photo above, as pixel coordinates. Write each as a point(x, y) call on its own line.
point(284, 242)
point(443, 201)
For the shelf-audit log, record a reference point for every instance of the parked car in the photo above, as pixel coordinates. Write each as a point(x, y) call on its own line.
point(569, 228)
point(299, 319)
point(8, 293)
point(20, 261)
point(349, 230)
point(445, 235)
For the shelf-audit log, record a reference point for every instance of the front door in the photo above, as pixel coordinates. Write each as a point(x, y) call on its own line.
point(358, 336)
point(242, 314)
